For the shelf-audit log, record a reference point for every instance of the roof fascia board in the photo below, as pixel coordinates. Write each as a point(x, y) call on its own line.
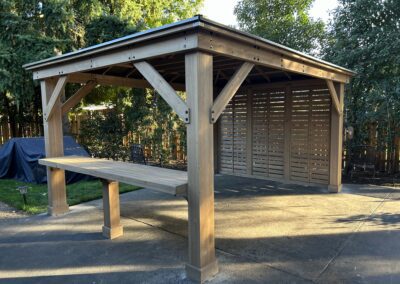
point(273, 46)
point(166, 30)
point(176, 44)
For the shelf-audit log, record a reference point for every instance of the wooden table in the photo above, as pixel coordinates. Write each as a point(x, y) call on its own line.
point(111, 172)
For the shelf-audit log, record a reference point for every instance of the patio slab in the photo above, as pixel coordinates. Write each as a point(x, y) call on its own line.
point(265, 232)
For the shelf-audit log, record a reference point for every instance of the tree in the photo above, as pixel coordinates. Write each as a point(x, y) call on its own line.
point(34, 30)
point(283, 21)
point(25, 35)
point(364, 36)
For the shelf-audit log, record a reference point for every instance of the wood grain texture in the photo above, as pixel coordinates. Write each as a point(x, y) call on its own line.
point(159, 179)
point(109, 80)
point(230, 90)
point(53, 138)
point(164, 89)
point(199, 85)
point(78, 96)
point(334, 95)
point(290, 133)
point(112, 222)
point(55, 97)
point(335, 177)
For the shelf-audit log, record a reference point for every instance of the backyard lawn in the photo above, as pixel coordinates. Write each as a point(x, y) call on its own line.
point(37, 194)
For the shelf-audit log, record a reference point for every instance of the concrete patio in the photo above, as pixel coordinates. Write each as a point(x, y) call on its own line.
point(265, 232)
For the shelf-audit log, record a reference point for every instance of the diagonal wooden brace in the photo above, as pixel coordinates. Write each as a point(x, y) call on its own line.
point(55, 96)
point(230, 90)
point(78, 96)
point(335, 99)
point(164, 89)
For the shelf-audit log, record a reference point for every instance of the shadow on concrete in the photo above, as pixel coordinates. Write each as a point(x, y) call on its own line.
point(372, 191)
point(379, 219)
point(149, 253)
point(233, 186)
point(139, 258)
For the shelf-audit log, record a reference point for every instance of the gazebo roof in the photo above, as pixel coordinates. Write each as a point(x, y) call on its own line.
point(197, 33)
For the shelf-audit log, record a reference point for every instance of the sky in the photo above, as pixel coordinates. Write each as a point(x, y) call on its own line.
point(222, 10)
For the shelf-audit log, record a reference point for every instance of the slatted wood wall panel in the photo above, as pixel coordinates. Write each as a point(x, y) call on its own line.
point(239, 133)
point(233, 136)
point(276, 133)
point(299, 135)
point(226, 140)
point(307, 109)
point(260, 134)
point(320, 122)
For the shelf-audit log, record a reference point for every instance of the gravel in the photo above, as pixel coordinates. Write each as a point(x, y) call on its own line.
point(8, 212)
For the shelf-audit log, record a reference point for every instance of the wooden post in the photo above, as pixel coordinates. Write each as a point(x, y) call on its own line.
point(53, 137)
point(217, 148)
point(112, 227)
point(202, 261)
point(335, 177)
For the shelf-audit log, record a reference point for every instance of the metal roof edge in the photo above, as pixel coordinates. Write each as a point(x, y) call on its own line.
point(32, 65)
point(197, 20)
point(272, 43)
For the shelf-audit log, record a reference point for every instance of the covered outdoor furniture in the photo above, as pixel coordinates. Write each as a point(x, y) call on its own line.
point(252, 108)
point(19, 159)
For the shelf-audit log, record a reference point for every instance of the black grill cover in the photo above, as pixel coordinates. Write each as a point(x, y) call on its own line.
point(19, 159)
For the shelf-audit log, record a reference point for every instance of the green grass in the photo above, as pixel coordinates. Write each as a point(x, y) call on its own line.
point(37, 194)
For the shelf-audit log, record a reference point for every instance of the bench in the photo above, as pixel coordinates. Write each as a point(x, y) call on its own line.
point(111, 172)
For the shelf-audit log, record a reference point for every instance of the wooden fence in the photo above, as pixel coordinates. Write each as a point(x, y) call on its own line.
point(177, 152)
point(385, 161)
point(5, 133)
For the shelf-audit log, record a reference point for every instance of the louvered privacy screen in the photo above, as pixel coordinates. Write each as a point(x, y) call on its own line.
point(259, 128)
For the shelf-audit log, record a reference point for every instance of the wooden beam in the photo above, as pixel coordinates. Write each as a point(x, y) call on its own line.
point(164, 89)
point(229, 90)
point(55, 97)
point(202, 263)
point(334, 96)
point(165, 46)
point(53, 138)
point(263, 74)
point(335, 169)
point(261, 56)
point(78, 96)
point(109, 80)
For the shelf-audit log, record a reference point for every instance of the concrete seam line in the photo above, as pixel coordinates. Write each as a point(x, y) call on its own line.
point(351, 237)
point(253, 259)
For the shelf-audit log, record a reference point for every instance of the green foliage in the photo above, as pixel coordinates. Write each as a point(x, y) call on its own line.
point(140, 115)
point(104, 135)
point(37, 199)
point(283, 21)
point(106, 28)
point(365, 37)
point(34, 30)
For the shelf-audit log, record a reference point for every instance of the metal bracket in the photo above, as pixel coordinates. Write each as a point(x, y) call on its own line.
point(212, 117)
point(186, 118)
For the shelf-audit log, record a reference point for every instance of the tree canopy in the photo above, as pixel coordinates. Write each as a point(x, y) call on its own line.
point(34, 30)
point(364, 36)
point(283, 21)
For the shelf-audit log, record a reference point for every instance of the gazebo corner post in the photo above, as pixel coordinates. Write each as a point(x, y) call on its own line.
point(336, 143)
point(202, 264)
point(51, 90)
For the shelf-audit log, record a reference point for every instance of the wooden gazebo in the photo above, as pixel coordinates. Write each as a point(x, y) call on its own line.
point(253, 108)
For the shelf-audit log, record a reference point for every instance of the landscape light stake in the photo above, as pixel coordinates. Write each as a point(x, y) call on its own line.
point(23, 190)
